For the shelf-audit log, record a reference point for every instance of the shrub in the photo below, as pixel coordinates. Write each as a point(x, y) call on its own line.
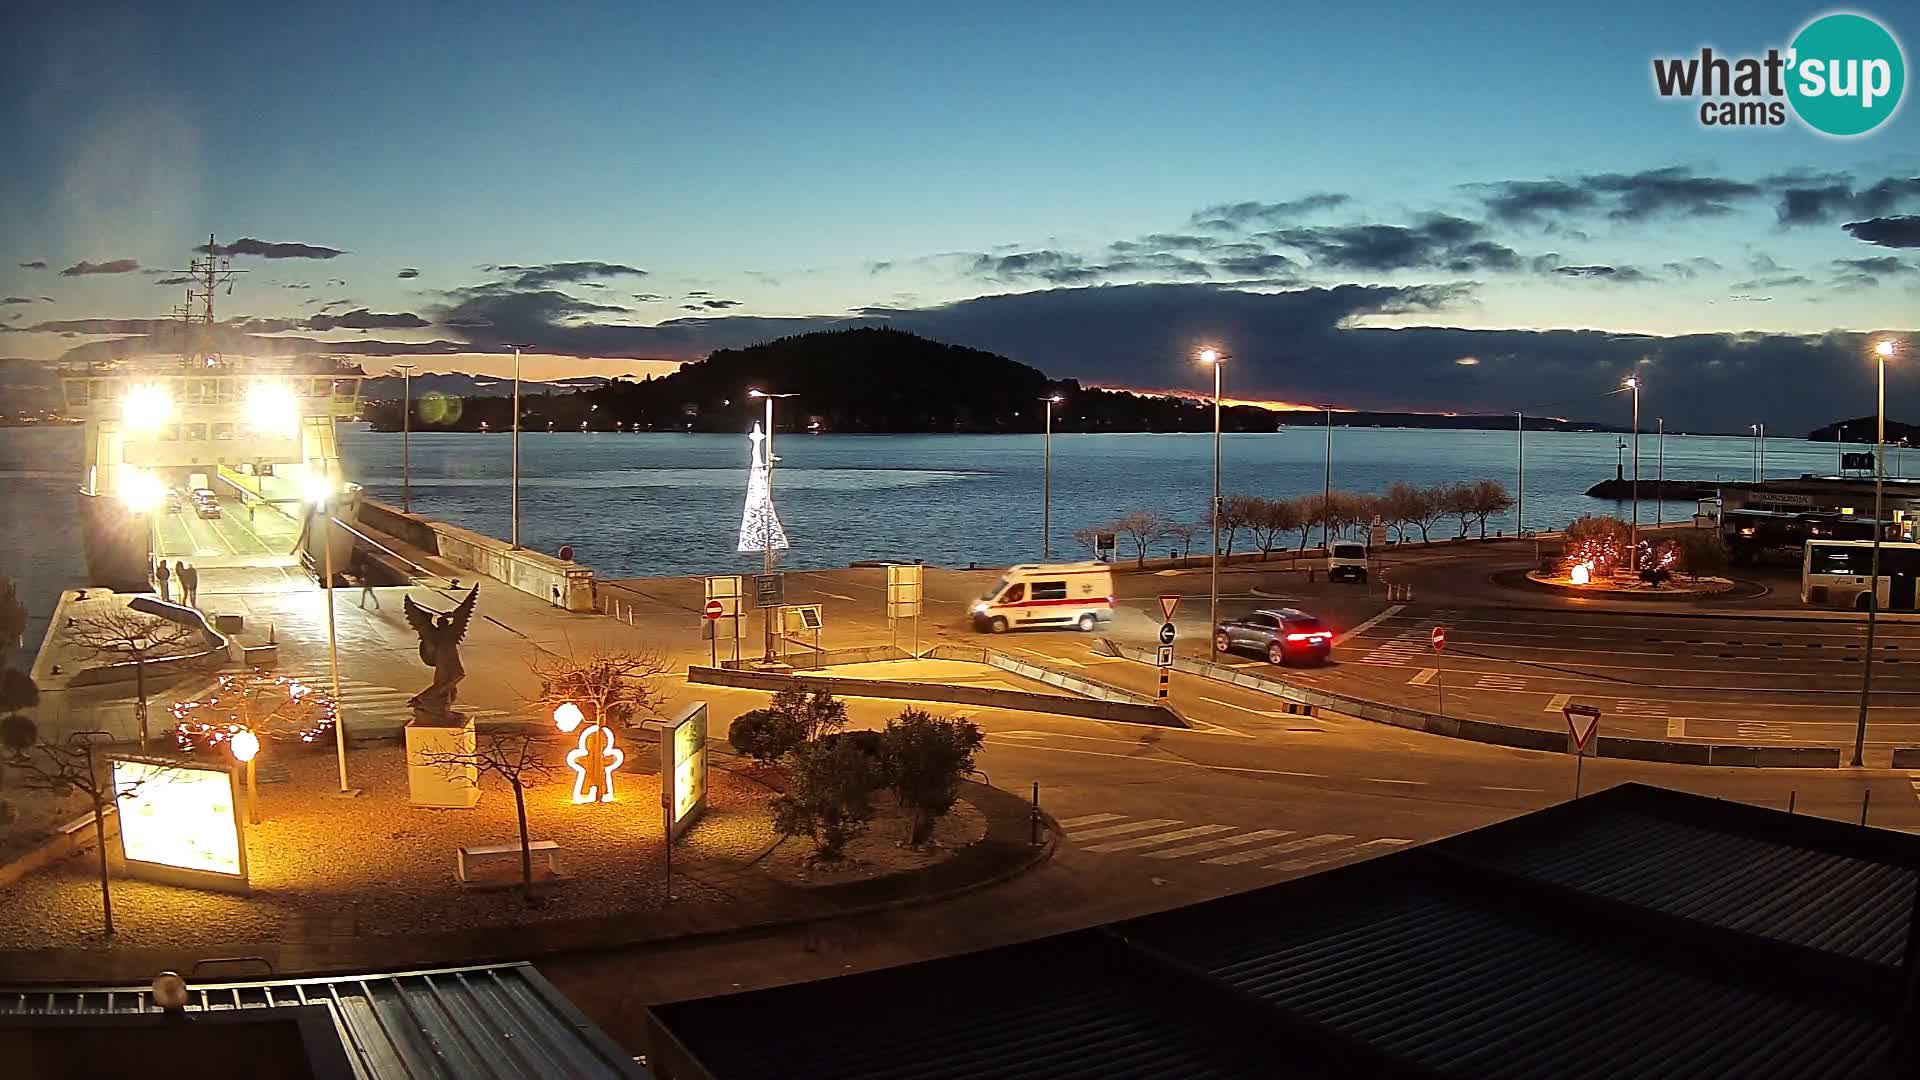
point(829, 796)
point(926, 758)
point(1601, 541)
point(764, 735)
point(867, 742)
point(813, 713)
point(1702, 552)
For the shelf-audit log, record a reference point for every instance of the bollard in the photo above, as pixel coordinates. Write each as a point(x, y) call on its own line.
point(1033, 818)
point(1790, 796)
point(1865, 796)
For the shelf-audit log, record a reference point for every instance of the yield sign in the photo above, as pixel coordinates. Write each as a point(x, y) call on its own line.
point(1439, 638)
point(1582, 722)
point(1168, 601)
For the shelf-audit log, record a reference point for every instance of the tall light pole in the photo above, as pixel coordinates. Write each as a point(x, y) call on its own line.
point(1213, 359)
point(321, 493)
point(1882, 351)
point(406, 437)
point(516, 443)
point(1326, 492)
point(1660, 475)
point(1754, 451)
point(1840, 452)
point(1046, 491)
point(1633, 532)
point(1520, 493)
point(1763, 451)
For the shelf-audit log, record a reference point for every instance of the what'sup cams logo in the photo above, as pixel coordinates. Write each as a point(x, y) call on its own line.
point(1843, 75)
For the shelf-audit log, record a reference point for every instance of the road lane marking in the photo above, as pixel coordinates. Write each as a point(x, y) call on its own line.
point(1089, 819)
point(1557, 702)
point(1528, 790)
point(1205, 727)
point(1424, 677)
point(837, 596)
point(1244, 709)
point(1370, 624)
point(1239, 857)
point(1179, 762)
point(1162, 838)
point(1384, 780)
point(1049, 656)
point(1250, 838)
point(1121, 830)
point(1676, 727)
point(1334, 853)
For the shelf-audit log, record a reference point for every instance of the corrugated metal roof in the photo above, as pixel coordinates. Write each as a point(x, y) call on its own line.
point(1637, 932)
point(502, 1021)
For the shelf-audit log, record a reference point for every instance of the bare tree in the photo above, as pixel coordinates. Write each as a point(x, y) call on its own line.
point(1490, 497)
point(1183, 532)
point(277, 707)
point(514, 754)
point(17, 730)
point(1236, 512)
point(123, 635)
point(1458, 501)
point(1416, 506)
point(63, 768)
point(1143, 527)
point(1090, 536)
point(615, 686)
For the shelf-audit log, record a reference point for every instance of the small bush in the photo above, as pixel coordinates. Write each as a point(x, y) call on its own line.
point(764, 735)
point(926, 757)
point(829, 796)
point(869, 743)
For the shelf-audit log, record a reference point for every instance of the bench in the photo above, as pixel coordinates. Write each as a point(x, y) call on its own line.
point(544, 853)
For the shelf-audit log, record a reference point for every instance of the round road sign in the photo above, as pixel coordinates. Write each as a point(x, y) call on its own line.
point(1439, 638)
point(715, 609)
point(1166, 633)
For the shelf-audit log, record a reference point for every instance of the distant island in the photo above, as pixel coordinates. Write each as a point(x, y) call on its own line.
point(874, 381)
point(1861, 430)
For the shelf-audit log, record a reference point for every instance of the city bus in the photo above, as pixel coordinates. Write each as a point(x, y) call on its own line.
point(1835, 573)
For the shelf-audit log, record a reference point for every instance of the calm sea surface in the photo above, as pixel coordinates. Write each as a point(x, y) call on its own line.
point(671, 504)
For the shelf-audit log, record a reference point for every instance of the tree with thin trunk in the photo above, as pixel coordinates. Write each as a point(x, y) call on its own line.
point(1490, 497)
point(1090, 536)
point(1416, 506)
point(1183, 532)
point(1458, 500)
point(617, 686)
point(924, 758)
point(17, 730)
point(63, 768)
point(1236, 512)
point(516, 754)
point(123, 635)
point(1143, 527)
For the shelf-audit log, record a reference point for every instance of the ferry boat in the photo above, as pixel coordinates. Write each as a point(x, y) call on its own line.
point(210, 456)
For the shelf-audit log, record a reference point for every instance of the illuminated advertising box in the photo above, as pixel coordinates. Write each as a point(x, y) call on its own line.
point(181, 823)
point(683, 768)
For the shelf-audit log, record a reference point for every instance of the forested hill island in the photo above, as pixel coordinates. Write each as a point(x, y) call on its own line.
point(871, 381)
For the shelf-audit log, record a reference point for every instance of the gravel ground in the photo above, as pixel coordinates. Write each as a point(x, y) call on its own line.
point(337, 866)
point(36, 814)
point(880, 850)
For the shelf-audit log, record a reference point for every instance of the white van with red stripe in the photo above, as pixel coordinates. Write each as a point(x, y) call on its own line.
point(1063, 596)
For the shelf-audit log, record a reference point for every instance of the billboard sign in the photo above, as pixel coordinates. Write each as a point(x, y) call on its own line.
point(683, 768)
point(181, 823)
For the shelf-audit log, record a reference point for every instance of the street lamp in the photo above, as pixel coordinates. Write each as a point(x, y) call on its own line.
point(1326, 490)
point(1046, 491)
point(1883, 351)
point(1520, 493)
point(320, 492)
point(1660, 475)
point(1632, 384)
point(1212, 358)
point(406, 436)
point(516, 442)
point(245, 746)
point(1759, 451)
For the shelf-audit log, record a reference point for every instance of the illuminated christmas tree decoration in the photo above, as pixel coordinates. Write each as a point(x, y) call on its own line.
point(760, 526)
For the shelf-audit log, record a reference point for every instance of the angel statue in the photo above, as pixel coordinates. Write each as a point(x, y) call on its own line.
point(440, 633)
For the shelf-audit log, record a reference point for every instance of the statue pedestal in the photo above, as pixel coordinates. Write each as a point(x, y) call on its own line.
point(438, 785)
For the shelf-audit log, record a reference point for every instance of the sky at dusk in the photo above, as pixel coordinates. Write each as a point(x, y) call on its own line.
point(1449, 207)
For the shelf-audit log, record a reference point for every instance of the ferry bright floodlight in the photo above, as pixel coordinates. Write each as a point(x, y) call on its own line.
point(147, 406)
point(272, 409)
point(140, 490)
point(319, 489)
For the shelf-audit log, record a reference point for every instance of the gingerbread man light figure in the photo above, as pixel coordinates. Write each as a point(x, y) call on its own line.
point(594, 760)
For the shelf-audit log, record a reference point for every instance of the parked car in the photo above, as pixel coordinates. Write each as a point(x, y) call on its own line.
point(1282, 635)
point(1347, 561)
point(175, 503)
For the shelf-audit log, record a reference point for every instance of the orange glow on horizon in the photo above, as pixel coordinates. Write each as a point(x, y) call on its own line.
point(1191, 395)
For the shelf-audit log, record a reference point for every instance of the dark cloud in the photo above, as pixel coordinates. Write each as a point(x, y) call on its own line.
point(1818, 199)
point(114, 266)
point(17, 300)
point(249, 246)
point(720, 304)
point(362, 319)
point(173, 281)
point(1604, 273)
point(546, 275)
point(298, 285)
point(1899, 232)
point(37, 264)
point(1690, 268)
point(648, 298)
point(408, 272)
point(1240, 215)
point(1869, 272)
point(1441, 241)
point(1771, 281)
point(1675, 191)
point(698, 292)
point(500, 313)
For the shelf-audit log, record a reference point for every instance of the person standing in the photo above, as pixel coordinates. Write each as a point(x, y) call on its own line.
point(161, 576)
point(190, 584)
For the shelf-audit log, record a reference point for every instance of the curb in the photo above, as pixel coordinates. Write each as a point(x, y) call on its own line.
point(1006, 856)
point(1487, 731)
point(1110, 706)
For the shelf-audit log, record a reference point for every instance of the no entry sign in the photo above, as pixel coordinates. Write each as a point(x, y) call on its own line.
point(1439, 638)
point(715, 609)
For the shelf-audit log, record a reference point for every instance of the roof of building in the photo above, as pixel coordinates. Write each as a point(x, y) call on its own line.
point(1636, 932)
point(501, 1021)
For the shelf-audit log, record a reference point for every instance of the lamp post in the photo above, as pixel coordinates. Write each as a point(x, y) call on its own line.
point(1633, 531)
point(1840, 452)
point(322, 497)
point(1213, 359)
point(1763, 451)
point(1046, 491)
point(406, 436)
point(1520, 492)
point(515, 540)
point(1882, 351)
point(1326, 491)
point(245, 746)
point(1660, 474)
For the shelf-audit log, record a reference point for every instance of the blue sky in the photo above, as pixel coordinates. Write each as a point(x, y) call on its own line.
point(804, 163)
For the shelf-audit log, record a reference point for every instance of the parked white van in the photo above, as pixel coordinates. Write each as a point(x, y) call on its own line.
point(1347, 560)
point(1077, 595)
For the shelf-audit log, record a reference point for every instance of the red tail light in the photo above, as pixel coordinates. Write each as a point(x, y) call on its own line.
point(1318, 636)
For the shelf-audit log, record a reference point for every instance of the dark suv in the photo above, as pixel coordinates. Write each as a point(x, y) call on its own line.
point(1283, 635)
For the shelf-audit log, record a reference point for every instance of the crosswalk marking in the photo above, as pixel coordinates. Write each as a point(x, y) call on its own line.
point(1640, 707)
point(1161, 838)
point(1121, 830)
point(1500, 682)
point(1239, 857)
point(1089, 819)
point(1319, 857)
point(1424, 676)
point(1557, 702)
point(364, 700)
point(1229, 841)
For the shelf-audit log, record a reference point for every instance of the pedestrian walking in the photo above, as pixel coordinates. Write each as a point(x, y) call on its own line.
point(161, 576)
point(359, 566)
point(190, 584)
